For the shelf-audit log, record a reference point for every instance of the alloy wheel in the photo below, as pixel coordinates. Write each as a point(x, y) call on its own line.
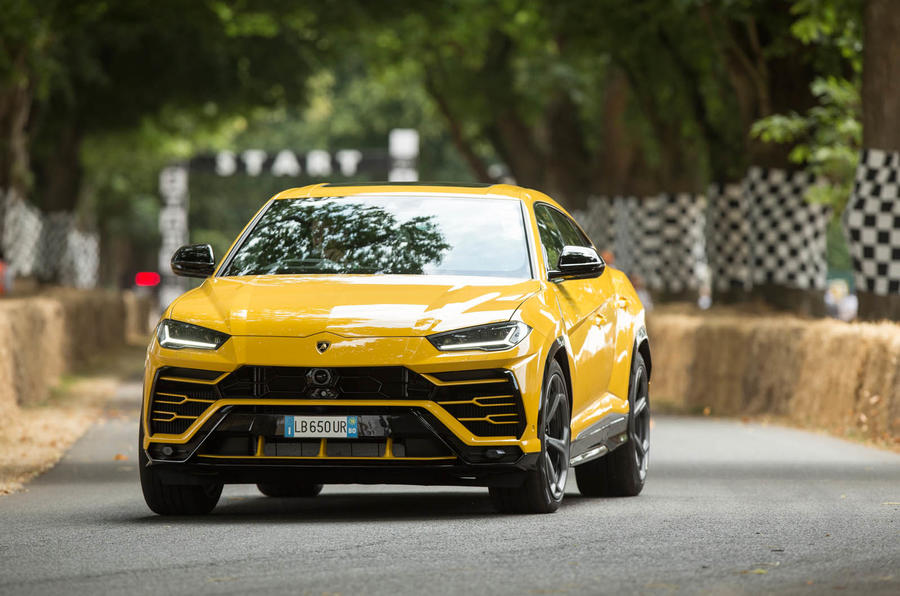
point(640, 431)
point(556, 436)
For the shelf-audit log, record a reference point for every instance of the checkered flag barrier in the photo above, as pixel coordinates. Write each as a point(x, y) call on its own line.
point(81, 259)
point(48, 247)
point(682, 255)
point(787, 233)
point(598, 220)
point(760, 231)
point(51, 261)
point(660, 238)
point(21, 239)
point(872, 222)
point(638, 241)
point(728, 237)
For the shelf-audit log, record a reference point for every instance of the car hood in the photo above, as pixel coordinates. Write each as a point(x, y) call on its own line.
point(350, 305)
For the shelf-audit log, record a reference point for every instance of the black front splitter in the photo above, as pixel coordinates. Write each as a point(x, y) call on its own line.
point(273, 471)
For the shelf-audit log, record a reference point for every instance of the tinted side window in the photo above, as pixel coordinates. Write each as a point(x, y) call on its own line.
point(570, 232)
point(551, 237)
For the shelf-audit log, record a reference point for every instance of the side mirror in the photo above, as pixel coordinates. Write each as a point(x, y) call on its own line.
point(578, 262)
point(194, 260)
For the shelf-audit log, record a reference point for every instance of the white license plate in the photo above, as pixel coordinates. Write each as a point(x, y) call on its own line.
point(321, 427)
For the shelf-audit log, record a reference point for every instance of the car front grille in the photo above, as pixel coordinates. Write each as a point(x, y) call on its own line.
point(374, 382)
point(180, 396)
point(487, 402)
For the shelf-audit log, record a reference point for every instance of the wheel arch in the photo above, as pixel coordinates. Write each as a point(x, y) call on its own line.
point(643, 348)
point(558, 353)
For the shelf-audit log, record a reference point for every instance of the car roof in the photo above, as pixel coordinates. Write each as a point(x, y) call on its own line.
point(416, 188)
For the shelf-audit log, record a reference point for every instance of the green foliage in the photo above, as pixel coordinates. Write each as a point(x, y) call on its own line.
point(826, 139)
point(121, 176)
point(346, 107)
point(526, 83)
point(835, 24)
point(837, 255)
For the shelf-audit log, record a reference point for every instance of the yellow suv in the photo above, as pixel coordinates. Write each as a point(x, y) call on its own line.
point(399, 333)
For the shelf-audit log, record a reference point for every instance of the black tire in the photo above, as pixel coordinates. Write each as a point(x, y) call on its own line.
point(622, 472)
point(545, 486)
point(289, 490)
point(174, 499)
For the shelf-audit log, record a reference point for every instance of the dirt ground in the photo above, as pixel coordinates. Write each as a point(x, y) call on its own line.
point(35, 437)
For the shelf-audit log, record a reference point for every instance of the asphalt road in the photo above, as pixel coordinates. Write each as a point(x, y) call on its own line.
point(728, 508)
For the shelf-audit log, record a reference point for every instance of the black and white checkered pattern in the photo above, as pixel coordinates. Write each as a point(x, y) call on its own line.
point(872, 222)
point(682, 262)
point(598, 220)
point(787, 233)
point(760, 231)
point(728, 237)
point(661, 238)
point(48, 247)
point(638, 246)
point(20, 236)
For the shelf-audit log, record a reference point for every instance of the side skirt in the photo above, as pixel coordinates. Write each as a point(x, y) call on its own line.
point(600, 438)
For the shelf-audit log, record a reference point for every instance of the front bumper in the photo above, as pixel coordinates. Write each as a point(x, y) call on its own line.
point(404, 445)
point(221, 420)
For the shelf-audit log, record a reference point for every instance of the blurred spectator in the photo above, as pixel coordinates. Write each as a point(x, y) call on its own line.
point(839, 302)
point(704, 297)
point(6, 278)
point(640, 287)
point(608, 257)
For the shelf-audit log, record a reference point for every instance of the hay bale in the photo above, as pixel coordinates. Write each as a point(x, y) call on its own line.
point(671, 380)
point(42, 337)
point(137, 317)
point(877, 408)
point(844, 378)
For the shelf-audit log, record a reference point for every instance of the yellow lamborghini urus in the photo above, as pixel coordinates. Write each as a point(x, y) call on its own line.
point(399, 333)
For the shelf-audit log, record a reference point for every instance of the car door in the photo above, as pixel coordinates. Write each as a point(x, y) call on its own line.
point(588, 310)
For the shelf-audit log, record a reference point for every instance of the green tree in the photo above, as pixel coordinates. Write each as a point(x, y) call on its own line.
point(608, 96)
point(129, 60)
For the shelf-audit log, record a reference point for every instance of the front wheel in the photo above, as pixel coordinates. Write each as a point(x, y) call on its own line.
point(174, 499)
point(622, 472)
point(544, 487)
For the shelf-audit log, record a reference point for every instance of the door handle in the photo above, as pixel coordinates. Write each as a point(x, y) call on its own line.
point(622, 302)
point(599, 319)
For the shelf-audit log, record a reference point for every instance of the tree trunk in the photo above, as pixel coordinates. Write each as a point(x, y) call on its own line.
point(881, 112)
point(514, 140)
point(59, 173)
point(462, 144)
point(568, 160)
point(881, 83)
point(15, 108)
point(614, 158)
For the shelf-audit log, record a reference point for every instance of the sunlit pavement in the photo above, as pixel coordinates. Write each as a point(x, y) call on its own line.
point(728, 507)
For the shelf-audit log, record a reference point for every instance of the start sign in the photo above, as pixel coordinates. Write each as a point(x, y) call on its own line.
point(316, 163)
point(398, 163)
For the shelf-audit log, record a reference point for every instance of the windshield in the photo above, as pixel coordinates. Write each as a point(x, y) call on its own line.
point(386, 234)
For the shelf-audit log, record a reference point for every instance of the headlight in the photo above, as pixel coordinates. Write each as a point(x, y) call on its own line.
point(497, 336)
point(176, 335)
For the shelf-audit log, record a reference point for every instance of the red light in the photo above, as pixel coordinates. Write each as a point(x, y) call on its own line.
point(146, 278)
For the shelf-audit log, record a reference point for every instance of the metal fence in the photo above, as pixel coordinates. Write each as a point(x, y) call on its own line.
point(49, 247)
